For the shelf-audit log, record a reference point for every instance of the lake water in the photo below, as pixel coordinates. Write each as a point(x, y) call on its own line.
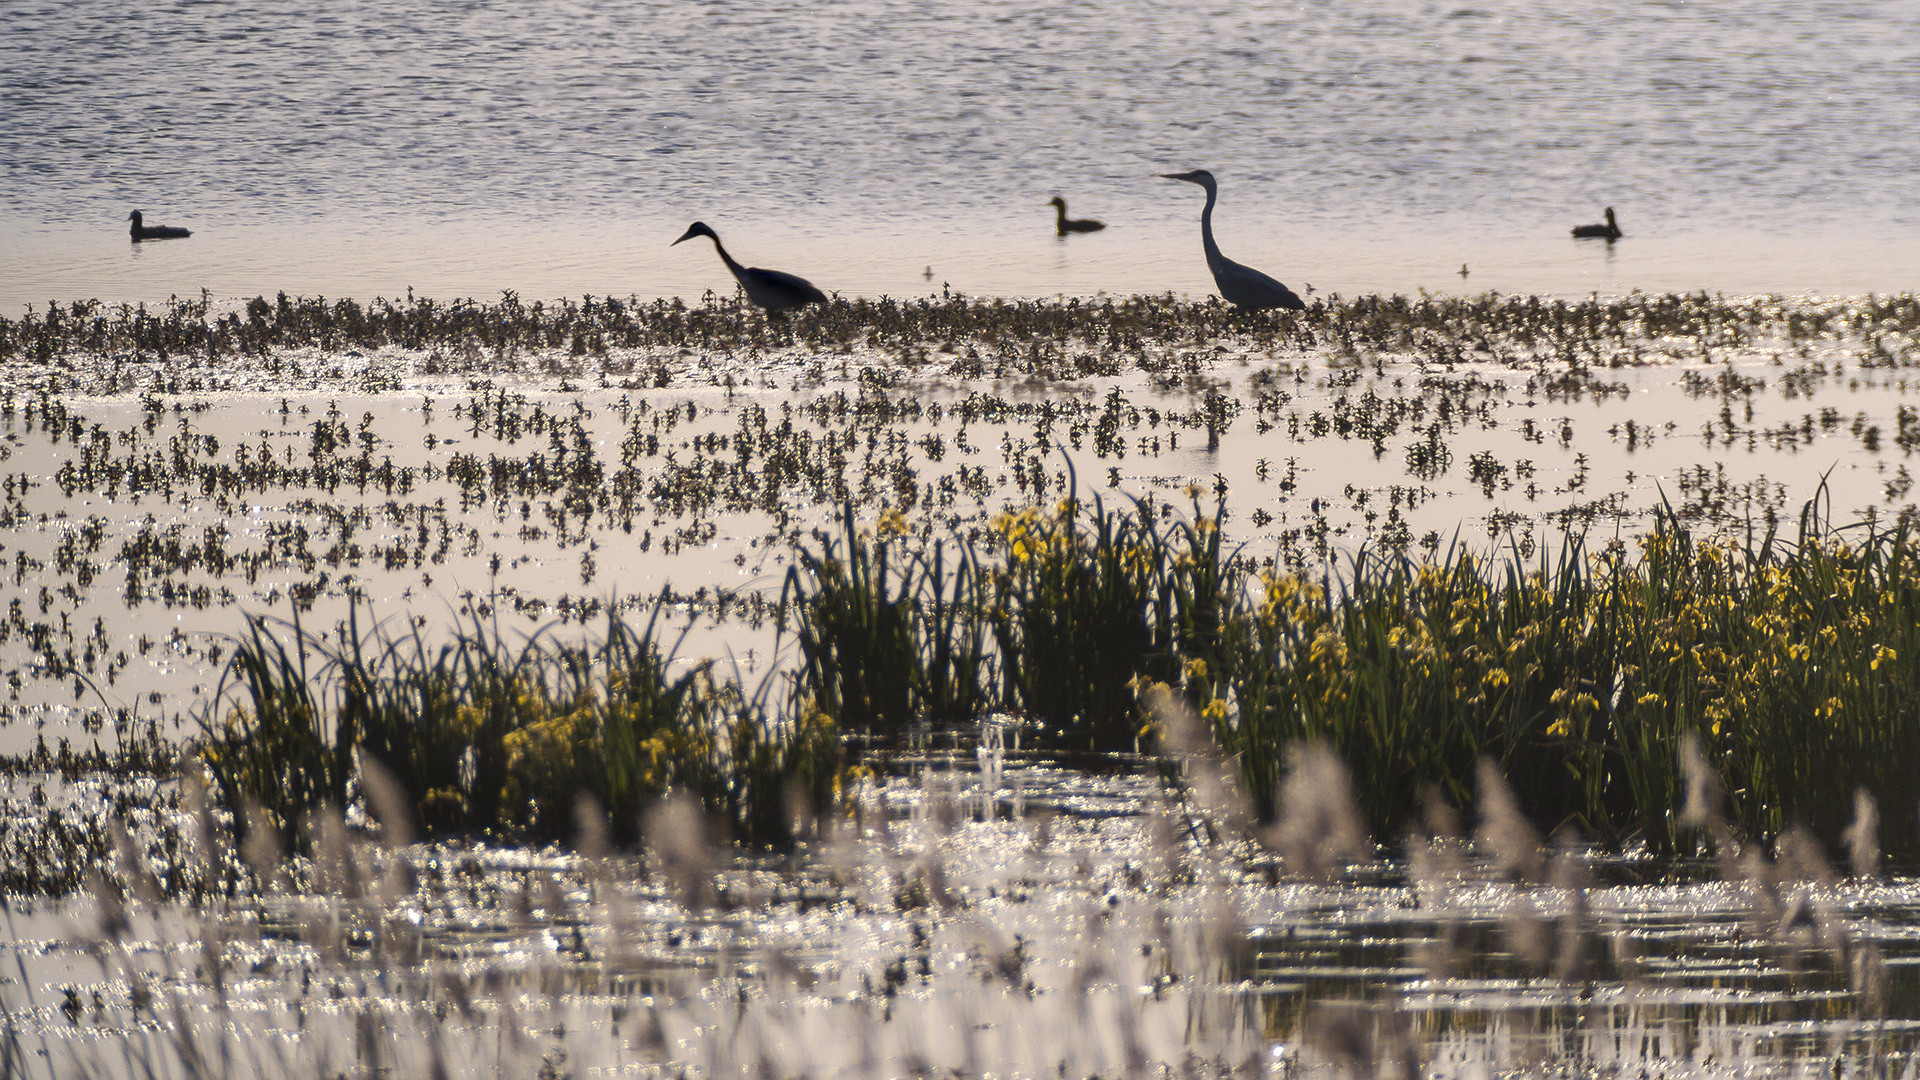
point(898, 147)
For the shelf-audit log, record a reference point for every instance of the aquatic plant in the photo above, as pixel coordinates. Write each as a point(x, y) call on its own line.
point(890, 637)
point(485, 737)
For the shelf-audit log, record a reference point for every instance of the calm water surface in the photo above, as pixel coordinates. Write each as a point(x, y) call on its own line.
point(902, 146)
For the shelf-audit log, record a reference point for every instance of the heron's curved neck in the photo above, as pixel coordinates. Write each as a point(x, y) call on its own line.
point(1206, 228)
point(737, 269)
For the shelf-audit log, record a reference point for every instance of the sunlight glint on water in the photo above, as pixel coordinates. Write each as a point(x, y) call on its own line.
point(367, 148)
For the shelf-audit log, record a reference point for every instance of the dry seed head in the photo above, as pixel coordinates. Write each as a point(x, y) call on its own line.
point(1504, 833)
point(676, 833)
point(1863, 836)
point(391, 806)
point(1319, 830)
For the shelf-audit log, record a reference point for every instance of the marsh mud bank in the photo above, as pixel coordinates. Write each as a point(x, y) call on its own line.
point(535, 468)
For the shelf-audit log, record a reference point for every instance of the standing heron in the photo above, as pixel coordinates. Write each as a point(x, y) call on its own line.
point(1242, 286)
point(1608, 232)
point(154, 232)
point(771, 289)
point(1063, 224)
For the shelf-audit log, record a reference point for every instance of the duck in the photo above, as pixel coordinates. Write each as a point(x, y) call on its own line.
point(774, 290)
point(1609, 232)
point(1063, 224)
point(1241, 286)
point(154, 232)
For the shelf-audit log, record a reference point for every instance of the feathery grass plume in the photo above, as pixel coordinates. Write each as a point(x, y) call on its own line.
point(1862, 838)
point(1209, 778)
point(1801, 858)
point(676, 835)
point(1319, 831)
point(1504, 833)
point(1571, 878)
point(389, 802)
point(1702, 809)
point(261, 846)
point(1341, 1033)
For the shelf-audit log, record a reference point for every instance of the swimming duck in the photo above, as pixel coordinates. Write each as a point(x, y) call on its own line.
point(1063, 224)
point(1609, 231)
point(154, 232)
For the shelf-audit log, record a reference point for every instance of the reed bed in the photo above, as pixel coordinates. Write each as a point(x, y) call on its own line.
point(484, 737)
point(1791, 658)
point(1577, 678)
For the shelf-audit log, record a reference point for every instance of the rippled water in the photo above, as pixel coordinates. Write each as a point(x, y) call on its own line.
point(899, 146)
point(1014, 923)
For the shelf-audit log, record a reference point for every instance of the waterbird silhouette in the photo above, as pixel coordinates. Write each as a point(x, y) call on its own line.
point(1063, 224)
point(1608, 232)
point(1242, 286)
point(154, 232)
point(771, 289)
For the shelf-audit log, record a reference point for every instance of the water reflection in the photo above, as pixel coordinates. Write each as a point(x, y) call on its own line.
point(1006, 900)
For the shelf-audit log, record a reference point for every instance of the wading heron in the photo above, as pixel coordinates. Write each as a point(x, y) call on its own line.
point(771, 289)
point(1241, 286)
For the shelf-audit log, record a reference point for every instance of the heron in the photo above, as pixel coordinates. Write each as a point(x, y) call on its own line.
point(1063, 224)
point(771, 289)
point(1608, 232)
point(1242, 286)
point(154, 232)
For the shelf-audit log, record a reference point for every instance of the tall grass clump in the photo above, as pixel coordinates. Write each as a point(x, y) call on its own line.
point(1790, 658)
point(889, 636)
point(1055, 616)
point(1414, 672)
point(486, 737)
point(1079, 613)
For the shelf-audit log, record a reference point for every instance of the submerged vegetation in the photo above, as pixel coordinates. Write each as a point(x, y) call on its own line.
point(948, 335)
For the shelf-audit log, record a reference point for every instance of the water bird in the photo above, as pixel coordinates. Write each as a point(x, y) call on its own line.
point(1242, 286)
point(1609, 232)
point(1062, 224)
point(154, 232)
point(771, 289)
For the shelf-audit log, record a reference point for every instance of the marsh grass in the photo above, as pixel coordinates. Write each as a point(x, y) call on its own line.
point(1577, 674)
point(488, 737)
point(888, 635)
